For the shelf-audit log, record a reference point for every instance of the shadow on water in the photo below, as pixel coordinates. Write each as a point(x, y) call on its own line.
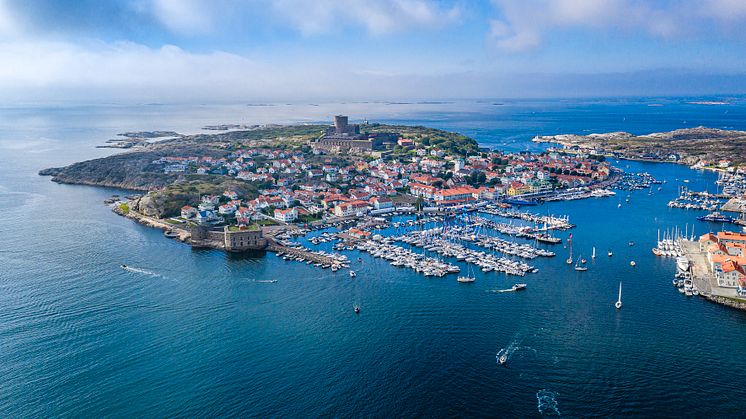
point(246, 255)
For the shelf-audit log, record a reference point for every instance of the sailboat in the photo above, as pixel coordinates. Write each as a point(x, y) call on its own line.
point(593, 253)
point(469, 278)
point(569, 258)
point(580, 265)
point(618, 303)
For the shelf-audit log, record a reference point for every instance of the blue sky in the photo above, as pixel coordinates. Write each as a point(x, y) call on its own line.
point(249, 50)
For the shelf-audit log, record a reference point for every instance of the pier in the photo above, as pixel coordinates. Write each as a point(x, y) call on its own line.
point(303, 254)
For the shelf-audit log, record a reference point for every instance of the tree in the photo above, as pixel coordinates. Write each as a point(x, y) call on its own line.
point(419, 203)
point(481, 177)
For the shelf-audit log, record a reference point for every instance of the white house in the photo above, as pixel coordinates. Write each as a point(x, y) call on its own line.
point(188, 212)
point(286, 215)
point(381, 202)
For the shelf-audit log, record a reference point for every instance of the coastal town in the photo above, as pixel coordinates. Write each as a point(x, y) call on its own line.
point(346, 174)
point(427, 190)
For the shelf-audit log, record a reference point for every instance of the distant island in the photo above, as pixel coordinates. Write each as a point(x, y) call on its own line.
point(698, 147)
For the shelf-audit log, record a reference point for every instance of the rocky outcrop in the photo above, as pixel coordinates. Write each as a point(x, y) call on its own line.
point(688, 146)
point(730, 302)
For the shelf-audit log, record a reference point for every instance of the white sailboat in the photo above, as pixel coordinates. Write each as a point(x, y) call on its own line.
point(593, 254)
point(580, 265)
point(569, 258)
point(618, 303)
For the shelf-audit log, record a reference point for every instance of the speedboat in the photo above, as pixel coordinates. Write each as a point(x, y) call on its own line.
point(123, 266)
point(632, 263)
point(357, 309)
point(352, 274)
point(502, 356)
point(519, 287)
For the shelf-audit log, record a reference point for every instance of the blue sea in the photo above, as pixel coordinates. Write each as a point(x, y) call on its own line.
point(197, 333)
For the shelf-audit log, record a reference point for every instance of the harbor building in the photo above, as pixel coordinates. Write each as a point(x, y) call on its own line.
point(726, 256)
point(242, 239)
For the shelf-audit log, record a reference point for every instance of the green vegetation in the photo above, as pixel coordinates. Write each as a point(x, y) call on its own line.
point(124, 208)
point(252, 227)
point(448, 142)
point(309, 218)
point(169, 200)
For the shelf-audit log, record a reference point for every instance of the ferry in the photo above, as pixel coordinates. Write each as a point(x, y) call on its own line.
point(716, 217)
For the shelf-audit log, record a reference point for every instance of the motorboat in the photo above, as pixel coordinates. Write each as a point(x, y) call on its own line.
point(502, 357)
point(352, 274)
point(518, 287)
point(632, 263)
point(357, 309)
point(466, 279)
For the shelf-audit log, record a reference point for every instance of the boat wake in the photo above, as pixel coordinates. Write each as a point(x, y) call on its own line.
point(505, 290)
point(141, 271)
point(547, 403)
point(265, 281)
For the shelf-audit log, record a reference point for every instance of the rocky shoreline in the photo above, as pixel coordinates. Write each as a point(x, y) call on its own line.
point(689, 146)
point(728, 302)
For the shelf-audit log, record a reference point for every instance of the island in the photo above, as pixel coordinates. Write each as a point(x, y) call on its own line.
point(240, 189)
point(698, 147)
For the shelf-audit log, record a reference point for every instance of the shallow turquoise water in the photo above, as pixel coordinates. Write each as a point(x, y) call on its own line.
point(193, 333)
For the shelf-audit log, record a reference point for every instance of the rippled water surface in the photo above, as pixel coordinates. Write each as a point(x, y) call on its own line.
point(184, 332)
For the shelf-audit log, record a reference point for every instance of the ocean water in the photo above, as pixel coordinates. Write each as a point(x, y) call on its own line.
point(197, 333)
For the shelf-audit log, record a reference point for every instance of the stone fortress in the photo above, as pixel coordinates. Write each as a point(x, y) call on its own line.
point(344, 136)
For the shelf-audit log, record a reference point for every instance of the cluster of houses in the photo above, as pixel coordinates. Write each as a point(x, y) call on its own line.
point(302, 183)
point(726, 254)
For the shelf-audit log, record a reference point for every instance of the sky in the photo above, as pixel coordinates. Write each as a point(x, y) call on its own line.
point(318, 50)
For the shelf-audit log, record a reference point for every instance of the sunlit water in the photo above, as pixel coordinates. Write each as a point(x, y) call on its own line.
point(202, 333)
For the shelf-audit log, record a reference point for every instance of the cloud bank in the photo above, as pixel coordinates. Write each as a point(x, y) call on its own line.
point(525, 24)
point(248, 50)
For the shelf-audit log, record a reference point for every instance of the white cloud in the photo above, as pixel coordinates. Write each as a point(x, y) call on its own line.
point(36, 70)
point(184, 16)
point(524, 24)
point(310, 17)
point(8, 26)
point(378, 17)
